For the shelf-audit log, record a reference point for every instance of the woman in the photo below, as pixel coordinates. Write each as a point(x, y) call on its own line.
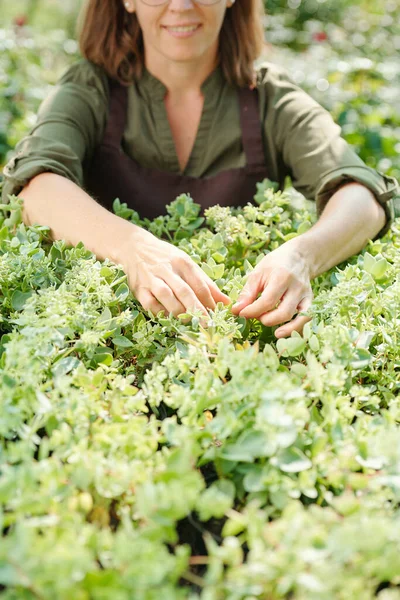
point(166, 101)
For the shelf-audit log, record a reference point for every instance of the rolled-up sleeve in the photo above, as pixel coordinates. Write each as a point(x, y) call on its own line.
point(312, 152)
point(70, 124)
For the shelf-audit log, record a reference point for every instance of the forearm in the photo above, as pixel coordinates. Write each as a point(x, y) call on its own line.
point(351, 218)
point(74, 216)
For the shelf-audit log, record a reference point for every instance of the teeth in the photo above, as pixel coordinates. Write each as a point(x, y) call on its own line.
point(183, 29)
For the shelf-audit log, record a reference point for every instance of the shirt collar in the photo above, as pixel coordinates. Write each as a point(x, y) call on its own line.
point(154, 89)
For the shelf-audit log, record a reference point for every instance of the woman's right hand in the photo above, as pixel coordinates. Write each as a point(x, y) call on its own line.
point(164, 278)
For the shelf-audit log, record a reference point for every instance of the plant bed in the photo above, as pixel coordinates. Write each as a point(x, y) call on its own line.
point(147, 458)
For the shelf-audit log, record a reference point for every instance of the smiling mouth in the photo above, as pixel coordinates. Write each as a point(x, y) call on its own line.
point(182, 28)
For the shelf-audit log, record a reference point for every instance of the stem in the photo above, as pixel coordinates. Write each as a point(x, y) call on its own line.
point(192, 578)
point(29, 585)
point(199, 560)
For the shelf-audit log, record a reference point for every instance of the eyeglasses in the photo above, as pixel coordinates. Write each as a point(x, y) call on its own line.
point(160, 2)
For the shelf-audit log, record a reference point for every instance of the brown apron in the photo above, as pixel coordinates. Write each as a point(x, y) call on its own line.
point(112, 174)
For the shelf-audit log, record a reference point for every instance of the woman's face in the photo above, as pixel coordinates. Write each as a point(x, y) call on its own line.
point(181, 30)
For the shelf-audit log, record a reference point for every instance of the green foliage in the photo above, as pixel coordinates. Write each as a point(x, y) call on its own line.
point(148, 458)
point(154, 458)
point(28, 67)
point(353, 49)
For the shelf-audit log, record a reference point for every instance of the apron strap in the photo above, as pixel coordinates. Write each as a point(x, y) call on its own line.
point(249, 123)
point(118, 109)
point(251, 129)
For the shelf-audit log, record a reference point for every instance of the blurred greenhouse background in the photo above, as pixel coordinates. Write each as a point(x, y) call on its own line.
point(345, 54)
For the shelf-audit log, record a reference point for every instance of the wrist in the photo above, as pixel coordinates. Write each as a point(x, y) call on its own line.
point(307, 252)
point(123, 238)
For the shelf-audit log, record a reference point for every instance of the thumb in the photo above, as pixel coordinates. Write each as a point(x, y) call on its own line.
point(248, 294)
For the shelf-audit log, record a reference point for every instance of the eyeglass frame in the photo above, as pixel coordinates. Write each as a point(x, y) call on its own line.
point(162, 2)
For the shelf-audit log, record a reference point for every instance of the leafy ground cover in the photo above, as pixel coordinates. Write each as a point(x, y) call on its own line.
point(152, 458)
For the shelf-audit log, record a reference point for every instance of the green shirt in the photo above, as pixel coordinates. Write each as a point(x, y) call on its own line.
point(300, 137)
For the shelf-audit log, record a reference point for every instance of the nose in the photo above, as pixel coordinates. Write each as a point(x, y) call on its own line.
point(181, 5)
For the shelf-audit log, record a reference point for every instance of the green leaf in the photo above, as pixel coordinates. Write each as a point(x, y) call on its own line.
point(361, 359)
point(4, 233)
point(105, 316)
point(369, 262)
point(314, 343)
point(256, 479)
point(195, 224)
point(216, 500)
point(249, 445)
point(122, 292)
point(121, 341)
point(106, 272)
point(380, 268)
point(291, 460)
point(65, 365)
point(208, 270)
point(18, 299)
point(218, 271)
point(292, 346)
point(8, 575)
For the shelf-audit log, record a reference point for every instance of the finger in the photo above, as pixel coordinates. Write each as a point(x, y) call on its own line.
point(216, 293)
point(163, 292)
point(249, 293)
point(298, 323)
point(214, 290)
point(273, 292)
point(284, 312)
point(183, 293)
point(149, 302)
point(194, 278)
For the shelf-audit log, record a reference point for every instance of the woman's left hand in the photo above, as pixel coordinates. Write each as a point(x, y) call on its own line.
point(283, 275)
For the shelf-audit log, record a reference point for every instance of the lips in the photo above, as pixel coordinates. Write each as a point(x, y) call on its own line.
point(182, 28)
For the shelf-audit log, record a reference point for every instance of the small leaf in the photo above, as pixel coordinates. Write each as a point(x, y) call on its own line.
point(122, 341)
point(380, 268)
point(314, 343)
point(376, 463)
point(218, 257)
point(218, 271)
point(216, 500)
point(195, 224)
point(364, 339)
point(65, 365)
point(307, 332)
point(208, 270)
point(303, 227)
point(292, 460)
point(292, 346)
point(4, 232)
point(105, 316)
point(106, 272)
point(249, 445)
point(362, 359)
point(369, 262)
point(122, 292)
point(19, 298)
point(256, 480)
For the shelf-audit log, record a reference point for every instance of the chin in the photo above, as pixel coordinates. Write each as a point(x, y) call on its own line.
point(183, 56)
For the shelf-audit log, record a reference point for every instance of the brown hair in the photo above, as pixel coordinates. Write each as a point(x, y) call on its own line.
point(111, 37)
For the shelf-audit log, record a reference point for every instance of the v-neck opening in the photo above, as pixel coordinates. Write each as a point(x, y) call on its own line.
point(156, 91)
